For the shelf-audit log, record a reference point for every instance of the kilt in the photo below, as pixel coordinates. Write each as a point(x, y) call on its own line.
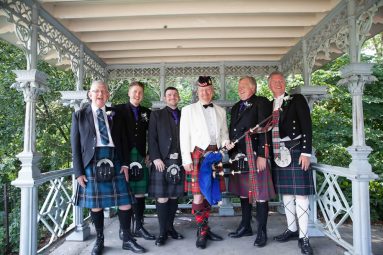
point(139, 187)
point(191, 178)
point(104, 194)
point(159, 187)
point(239, 184)
point(292, 180)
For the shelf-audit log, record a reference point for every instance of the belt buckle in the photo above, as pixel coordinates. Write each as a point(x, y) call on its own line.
point(173, 156)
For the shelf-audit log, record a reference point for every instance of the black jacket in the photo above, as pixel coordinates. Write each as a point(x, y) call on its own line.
point(136, 131)
point(84, 141)
point(295, 120)
point(162, 133)
point(257, 109)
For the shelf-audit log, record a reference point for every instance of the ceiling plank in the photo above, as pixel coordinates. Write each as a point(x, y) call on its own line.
point(205, 33)
point(193, 43)
point(102, 9)
point(191, 21)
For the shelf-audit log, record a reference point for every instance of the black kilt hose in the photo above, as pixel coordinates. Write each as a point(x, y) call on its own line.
point(104, 194)
point(159, 187)
point(292, 180)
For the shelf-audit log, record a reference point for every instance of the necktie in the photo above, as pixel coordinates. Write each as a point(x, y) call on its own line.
point(175, 116)
point(102, 127)
point(208, 105)
point(275, 134)
point(242, 106)
point(135, 112)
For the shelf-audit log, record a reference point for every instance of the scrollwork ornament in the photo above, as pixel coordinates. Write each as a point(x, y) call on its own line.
point(356, 83)
point(31, 90)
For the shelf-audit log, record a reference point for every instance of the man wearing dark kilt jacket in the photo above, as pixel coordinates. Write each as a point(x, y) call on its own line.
point(166, 177)
point(203, 128)
point(246, 114)
point(136, 118)
point(292, 141)
point(98, 153)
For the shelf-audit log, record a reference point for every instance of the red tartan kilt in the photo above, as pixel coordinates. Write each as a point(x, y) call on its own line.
point(191, 180)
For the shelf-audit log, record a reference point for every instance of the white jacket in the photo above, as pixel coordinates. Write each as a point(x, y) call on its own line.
point(194, 131)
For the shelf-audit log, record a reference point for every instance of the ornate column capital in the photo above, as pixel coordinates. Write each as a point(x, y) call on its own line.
point(355, 76)
point(31, 82)
point(311, 93)
point(76, 99)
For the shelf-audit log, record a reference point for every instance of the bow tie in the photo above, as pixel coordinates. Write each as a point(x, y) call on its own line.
point(208, 105)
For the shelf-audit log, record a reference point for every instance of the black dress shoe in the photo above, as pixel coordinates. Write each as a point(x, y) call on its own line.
point(213, 237)
point(161, 240)
point(305, 246)
point(287, 236)
point(242, 231)
point(174, 234)
point(99, 245)
point(142, 232)
point(131, 245)
point(261, 239)
point(201, 241)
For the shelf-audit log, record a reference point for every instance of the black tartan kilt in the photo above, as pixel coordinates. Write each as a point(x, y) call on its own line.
point(292, 180)
point(159, 187)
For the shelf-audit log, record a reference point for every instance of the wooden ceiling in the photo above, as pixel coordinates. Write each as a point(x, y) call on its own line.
point(170, 31)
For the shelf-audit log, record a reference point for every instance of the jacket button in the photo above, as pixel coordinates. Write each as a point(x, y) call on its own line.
point(293, 127)
point(235, 129)
point(293, 133)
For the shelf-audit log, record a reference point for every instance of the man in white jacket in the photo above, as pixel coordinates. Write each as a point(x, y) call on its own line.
point(203, 128)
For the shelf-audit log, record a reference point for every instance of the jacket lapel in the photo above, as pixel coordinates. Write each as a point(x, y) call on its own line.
point(284, 108)
point(89, 116)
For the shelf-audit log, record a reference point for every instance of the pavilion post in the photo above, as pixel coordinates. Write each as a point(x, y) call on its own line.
point(355, 76)
point(31, 83)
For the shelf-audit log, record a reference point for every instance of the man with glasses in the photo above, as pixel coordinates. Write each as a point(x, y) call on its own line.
point(98, 153)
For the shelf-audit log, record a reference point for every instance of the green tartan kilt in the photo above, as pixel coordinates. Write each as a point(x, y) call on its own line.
point(139, 187)
point(292, 180)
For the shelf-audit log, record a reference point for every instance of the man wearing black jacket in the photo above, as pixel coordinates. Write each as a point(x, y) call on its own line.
point(136, 118)
point(247, 113)
point(166, 177)
point(292, 145)
point(98, 153)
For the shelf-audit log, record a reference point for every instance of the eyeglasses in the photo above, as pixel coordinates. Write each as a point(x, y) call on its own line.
point(99, 91)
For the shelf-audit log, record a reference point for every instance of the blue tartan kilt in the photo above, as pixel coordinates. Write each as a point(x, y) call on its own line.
point(104, 194)
point(292, 180)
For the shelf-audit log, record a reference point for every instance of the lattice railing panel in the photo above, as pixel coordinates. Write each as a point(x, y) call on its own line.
point(332, 202)
point(54, 213)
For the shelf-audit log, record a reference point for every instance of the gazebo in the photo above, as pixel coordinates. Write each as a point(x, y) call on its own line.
point(118, 40)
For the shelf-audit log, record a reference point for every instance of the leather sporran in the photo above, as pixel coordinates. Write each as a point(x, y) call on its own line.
point(104, 170)
point(136, 172)
point(173, 174)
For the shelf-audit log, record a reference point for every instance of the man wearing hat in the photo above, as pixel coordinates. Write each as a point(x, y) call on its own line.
point(203, 128)
point(166, 177)
point(98, 153)
point(247, 113)
point(137, 122)
point(292, 145)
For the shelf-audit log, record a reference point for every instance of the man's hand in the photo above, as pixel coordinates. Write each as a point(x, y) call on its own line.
point(188, 167)
point(261, 163)
point(125, 170)
point(159, 164)
point(304, 161)
point(82, 181)
point(229, 145)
